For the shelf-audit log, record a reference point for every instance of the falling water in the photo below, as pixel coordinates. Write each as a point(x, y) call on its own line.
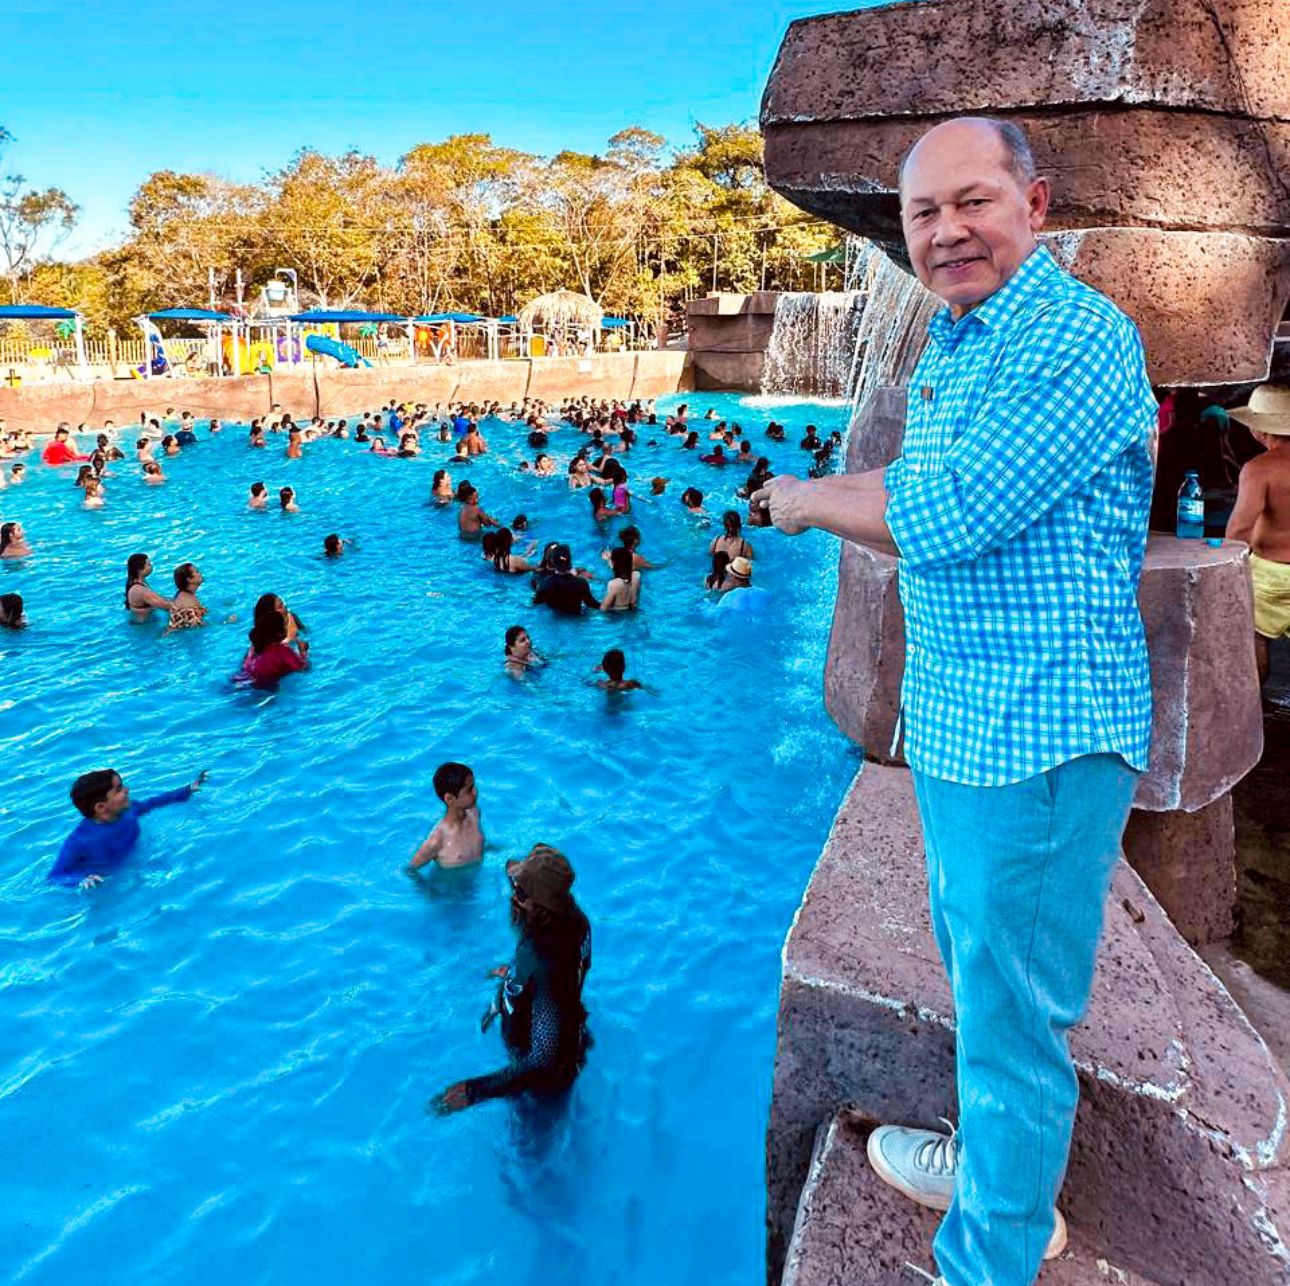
point(893, 322)
point(811, 344)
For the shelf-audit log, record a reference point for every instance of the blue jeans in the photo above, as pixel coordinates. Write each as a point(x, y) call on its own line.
point(1017, 876)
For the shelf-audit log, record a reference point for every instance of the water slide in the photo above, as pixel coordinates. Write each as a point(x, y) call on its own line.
point(343, 353)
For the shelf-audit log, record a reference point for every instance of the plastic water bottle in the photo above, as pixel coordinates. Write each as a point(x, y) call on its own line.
point(1191, 509)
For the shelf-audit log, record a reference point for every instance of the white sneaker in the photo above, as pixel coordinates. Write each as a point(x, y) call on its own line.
point(923, 1164)
point(920, 1163)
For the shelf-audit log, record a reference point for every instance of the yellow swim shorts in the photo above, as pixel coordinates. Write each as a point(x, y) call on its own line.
point(1271, 597)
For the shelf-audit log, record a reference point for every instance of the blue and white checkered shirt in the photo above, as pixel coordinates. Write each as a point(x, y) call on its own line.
point(1019, 507)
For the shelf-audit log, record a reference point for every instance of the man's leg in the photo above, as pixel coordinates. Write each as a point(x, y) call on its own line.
point(1023, 876)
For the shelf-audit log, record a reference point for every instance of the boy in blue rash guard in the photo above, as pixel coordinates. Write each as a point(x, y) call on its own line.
point(110, 829)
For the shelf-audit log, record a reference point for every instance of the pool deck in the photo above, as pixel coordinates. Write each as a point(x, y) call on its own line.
point(327, 390)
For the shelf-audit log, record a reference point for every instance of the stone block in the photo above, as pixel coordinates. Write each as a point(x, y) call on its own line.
point(877, 431)
point(738, 333)
point(1178, 1162)
point(1207, 303)
point(1188, 861)
point(866, 656)
point(740, 371)
point(852, 1227)
point(725, 303)
point(945, 57)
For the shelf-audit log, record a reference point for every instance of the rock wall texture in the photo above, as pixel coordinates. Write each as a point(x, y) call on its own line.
point(331, 391)
point(729, 336)
point(1166, 119)
point(1178, 1169)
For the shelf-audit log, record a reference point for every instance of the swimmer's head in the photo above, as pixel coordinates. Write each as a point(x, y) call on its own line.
point(620, 560)
point(332, 545)
point(520, 522)
point(100, 795)
point(187, 577)
point(454, 783)
point(11, 614)
point(518, 642)
point(259, 489)
point(614, 664)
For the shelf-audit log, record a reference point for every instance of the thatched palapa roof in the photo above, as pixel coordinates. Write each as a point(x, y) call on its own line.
point(562, 309)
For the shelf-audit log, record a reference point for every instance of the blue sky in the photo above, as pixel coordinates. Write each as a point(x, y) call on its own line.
point(100, 93)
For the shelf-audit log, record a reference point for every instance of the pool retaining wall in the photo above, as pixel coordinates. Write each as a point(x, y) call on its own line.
point(318, 390)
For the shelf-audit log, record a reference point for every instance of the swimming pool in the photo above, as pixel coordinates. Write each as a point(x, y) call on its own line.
point(215, 1066)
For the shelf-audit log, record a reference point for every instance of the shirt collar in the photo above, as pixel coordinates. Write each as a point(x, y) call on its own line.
point(998, 309)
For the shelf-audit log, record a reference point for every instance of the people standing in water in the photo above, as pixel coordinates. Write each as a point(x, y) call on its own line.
point(622, 593)
point(140, 597)
point(519, 652)
point(458, 837)
point(11, 612)
point(259, 497)
point(614, 667)
point(275, 646)
point(539, 995)
point(186, 609)
point(471, 517)
point(13, 541)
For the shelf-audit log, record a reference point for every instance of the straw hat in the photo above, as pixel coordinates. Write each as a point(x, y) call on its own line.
point(1268, 410)
point(743, 567)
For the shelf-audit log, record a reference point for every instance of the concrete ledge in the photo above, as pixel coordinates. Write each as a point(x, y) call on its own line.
point(1178, 1165)
point(327, 390)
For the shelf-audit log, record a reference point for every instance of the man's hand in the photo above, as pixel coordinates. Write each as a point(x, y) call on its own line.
point(199, 779)
point(91, 881)
point(782, 498)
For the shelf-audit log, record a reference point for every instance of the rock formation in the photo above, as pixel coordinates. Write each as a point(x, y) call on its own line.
point(1164, 125)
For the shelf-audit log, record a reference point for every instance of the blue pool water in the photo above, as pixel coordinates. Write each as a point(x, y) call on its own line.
point(214, 1068)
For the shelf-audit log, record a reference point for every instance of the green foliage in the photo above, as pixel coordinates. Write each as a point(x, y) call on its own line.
point(461, 224)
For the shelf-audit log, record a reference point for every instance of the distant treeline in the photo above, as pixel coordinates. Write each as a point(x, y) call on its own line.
point(461, 225)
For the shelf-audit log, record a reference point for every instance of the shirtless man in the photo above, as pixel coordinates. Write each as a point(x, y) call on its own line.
point(1261, 517)
point(470, 517)
point(458, 838)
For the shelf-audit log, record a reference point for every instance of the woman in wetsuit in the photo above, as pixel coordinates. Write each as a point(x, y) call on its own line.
point(539, 996)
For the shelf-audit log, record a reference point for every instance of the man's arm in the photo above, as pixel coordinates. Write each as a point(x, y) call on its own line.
point(1251, 496)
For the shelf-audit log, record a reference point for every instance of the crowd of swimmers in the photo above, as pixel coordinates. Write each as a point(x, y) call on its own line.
point(539, 993)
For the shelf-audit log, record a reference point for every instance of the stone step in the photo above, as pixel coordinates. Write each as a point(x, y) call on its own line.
point(1178, 1163)
point(852, 1228)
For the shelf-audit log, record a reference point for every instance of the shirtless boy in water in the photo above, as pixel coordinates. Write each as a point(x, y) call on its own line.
point(458, 838)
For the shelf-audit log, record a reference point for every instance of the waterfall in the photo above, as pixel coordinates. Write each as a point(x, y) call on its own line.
point(811, 344)
point(893, 322)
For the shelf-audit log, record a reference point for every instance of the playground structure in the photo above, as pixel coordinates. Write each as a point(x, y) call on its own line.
point(67, 324)
point(274, 335)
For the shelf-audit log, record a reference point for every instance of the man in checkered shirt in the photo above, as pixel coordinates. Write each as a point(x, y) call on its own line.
point(1019, 512)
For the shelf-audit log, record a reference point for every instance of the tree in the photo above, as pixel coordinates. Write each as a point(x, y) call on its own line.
point(29, 220)
point(186, 225)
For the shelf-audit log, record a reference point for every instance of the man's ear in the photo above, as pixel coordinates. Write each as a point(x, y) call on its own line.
point(1038, 196)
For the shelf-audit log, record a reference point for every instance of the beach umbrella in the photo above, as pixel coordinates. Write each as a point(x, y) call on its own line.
point(561, 310)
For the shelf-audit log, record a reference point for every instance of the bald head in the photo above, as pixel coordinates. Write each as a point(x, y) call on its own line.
point(971, 206)
point(978, 133)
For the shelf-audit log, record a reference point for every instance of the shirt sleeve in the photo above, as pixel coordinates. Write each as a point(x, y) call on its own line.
point(1067, 401)
point(587, 596)
point(160, 801)
point(73, 861)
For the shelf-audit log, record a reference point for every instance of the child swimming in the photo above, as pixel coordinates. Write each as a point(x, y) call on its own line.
point(458, 837)
point(110, 826)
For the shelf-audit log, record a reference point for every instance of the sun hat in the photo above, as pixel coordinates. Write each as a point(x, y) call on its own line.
point(741, 566)
point(1268, 410)
point(544, 877)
